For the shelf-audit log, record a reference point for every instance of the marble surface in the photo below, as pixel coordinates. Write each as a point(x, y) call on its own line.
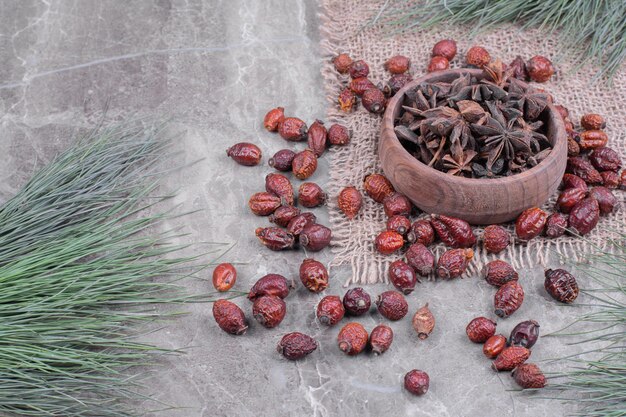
point(214, 68)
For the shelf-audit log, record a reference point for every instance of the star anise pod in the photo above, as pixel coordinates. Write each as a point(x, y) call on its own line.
point(447, 121)
point(496, 74)
point(528, 100)
point(460, 164)
point(538, 140)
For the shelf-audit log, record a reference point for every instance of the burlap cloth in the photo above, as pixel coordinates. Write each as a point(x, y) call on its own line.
point(343, 30)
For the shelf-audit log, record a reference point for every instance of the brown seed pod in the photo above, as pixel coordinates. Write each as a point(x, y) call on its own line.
point(395, 83)
point(352, 338)
point(245, 153)
point(510, 358)
point(556, 225)
point(420, 259)
point(378, 187)
point(338, 135)
point(402, 276)
point(359, 69)
point(592, 139)
point(357, 301)
point(299, 222)
point(397, 204)
point(283, 215)
point(330, 310)
point(294, 346)
point(498, 273)
point(496, 238)
point(270, 284)
point(387, 242)
point(281, 186)
point(374, 100)
point(281, 161)
point(224, 277)
point(380, 339)
point(423, 322)
point(360, 85)
point(397, 64)
point(392, 305)
point(421, 232)
point(569, 198)
point(525, 334)
point(573, 148)
point(304, 164)
point(606, 199)
point(445, 48)
point(573, 181)
point(315, 237)
point(508, 299)
point(269, 310)
point(292, 129)
point(264, 203)
point(275, 238)
point(584, 216)
point(453, 263)
point(540, 69)
point(518, 69)
point(561, 285)
point(592, 121)
point(453, 232)
point(311, 195)
point(313, 275)
point(342, 63)
point(528, 375)
point(273, 118)
point(229, 317)
point(480, 329)
point(530, 223)
point(416, 382)
point(494, 345)
point(581, 167)
point(346, 100)
point(317, 137)
point(438, 63)
point(350, 202)
point(605, 159)
point(399, 224)
point(610, 179)
point(477, 56)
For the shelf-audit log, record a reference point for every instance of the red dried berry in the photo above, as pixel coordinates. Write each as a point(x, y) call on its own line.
point(416, 382)
point(350, 202)
point(264, 203)
point(359, 69)
point(330, 310)
point(584, 216)
point(299, 222)
point(438, 63)
point(346, 100)
point(304, 164)
point(281, 186)
point(338, 135)
point(421, 232)
point(498, 273)
point(606, 200)
point(525, 334)
point(402, 276)
point(592, 139)
point(610, 179)
point(356, 301)
point(387, 242)
point(622, 181)
point(494, 345)
point(556, 225)
point(530, 223)
point(496, 238)
point(518, 69)
point(453, 263)
point(224, 277)
point(352, 338)
point(423, 322)
point(281, 161)
point(317, 137)
point(342, 63)
point(569, 198)
point(244, 153)
point(313, 275)
point(400, 224)
point(392, 305)
point(315, 237)
point(397, 204)
point(581, 167)
point(311, 195)
point(269, 310)
point(374, 100)
point(540, 69)
point(275, 238)
point(229, 317)
point(605, 159)
point(378, 187)
point(420, 259)
point(477, 56)
point(480, 329)
point(270, 284)
point(561, 285)
point(510, 358)
point(292, 129)
point(397, 64)
point(573, 181)
point(573, 148)
point(528, 375)
point(453, 232)
point(283, 215)
point(508, 299)
point(360, 85)
point(445, 48)
point(294, 346)
point(592, 121)
point(381, 339)
point(273, 118)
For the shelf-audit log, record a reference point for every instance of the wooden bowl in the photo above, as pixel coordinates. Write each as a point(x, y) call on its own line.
point(478, 201)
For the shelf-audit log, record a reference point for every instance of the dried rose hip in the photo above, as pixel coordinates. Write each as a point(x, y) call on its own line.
point(530, 223)
point(299, 222)
point(528, 375)
point(275, 238)
point(359, 69)
point(304, 164)
point(622, 181)
point(420, 259)
point(421, 232)
point(402, 276)
point(592, 139)
point(510, 358)
point(342, 63)
point(605, 159)
point(224, 277)
point(477, 56)
point(397, 64)
point(387, 242)
point(494, 345)
point(438, 63)
point(338, 135)
point(453, 232)
point(392, 305)
point(498, 273)
point(311, 195)
point(346, 100)
point(480, 329)
point(416, 382)
point(273, 118)
point(270, 284)
point(281, 186)
point(539, 68)
point(445, 48)
point(569, 198)
point(518, 69)
point(229, 317)
point(525, 334)
point(352, 338)
point(313, 275)
point(397, 204)
point(453, 263)
point(378, 187)
point(292, 129)
point(584, 216)
point(316, 137)
point(269, 310)
point(610, 179)
point(380, 339)
point(556, 225)
point(592, 121)
point(423, 322)
point(360, 85)
point(573, 181)
point(356, 301)
point(561, 285)
point(281, 161)
point(244, 153)
point(315, 237)
point(330, 310)
point(374, 100)
point(283, 215)
point(581, 167)
point(294, 346)
point(395, 83)
point(496, 238)
point(606, 199)
point(264, 203)
point(508, 299)
point(399, 224)
point(573, 148)
point(350, 202)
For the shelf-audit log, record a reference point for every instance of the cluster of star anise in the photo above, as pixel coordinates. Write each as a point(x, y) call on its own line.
point(484, 128)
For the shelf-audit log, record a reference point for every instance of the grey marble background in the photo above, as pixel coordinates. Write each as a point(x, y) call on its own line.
point(214, 68)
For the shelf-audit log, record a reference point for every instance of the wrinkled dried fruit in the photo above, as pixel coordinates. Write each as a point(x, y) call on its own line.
point(316, 137)
point(315, 237)
point(244, 153)
point(477, 56)
point(299, 222)
point(421, 232)
point(313, 275)
point(584, 216)
point(346, 100)
point(569, 198)
point(392, 305)
point(304, 164)
point(264, 203)
point(416, 382)
point(583, 168)
point(387, 242)
point(445, 48)
point(270, 284)
point(397, 64)
point(275, 238)
point(510, 358)
point(359, 69)
point(380, 339)
point(395, 83)
point(592, 121)
point(292, 129)
point(453, 232)
point(423, 322)
point(273, 118)
point(374, 100)
point(342, 63)
point(378, 187)
point(530, 223)
point(352, 339)
point(561, 285)
point(269, 310)
point(338, 135)
point(606, 200)
point(573, 148)
point(438, 63)
point(350, 202)
point(229, 317)
point(622, 181)
point(400, 224)
point(330, 310)
point(281, 186)
point(402, 276)
point(525, 334)
point(556, 225)
point(356, 301)
point(592, 139)
point(494, 345)
point(281, 161)
point(296, 345)
point(573, 181)
point(480, 329)
point(224, 277)
point(610, 179)
point(496, 238)
point(397, 204)
point(539, 68)
point(283, 215)
point(498, 273)
point(528, 375)
point(311, 195)
point(360, 85)
point(518, 69)
point(421, 259)
point(508, 299)
point(453, 263)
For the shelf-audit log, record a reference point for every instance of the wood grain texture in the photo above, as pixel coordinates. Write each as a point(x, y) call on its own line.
point(478, 201)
